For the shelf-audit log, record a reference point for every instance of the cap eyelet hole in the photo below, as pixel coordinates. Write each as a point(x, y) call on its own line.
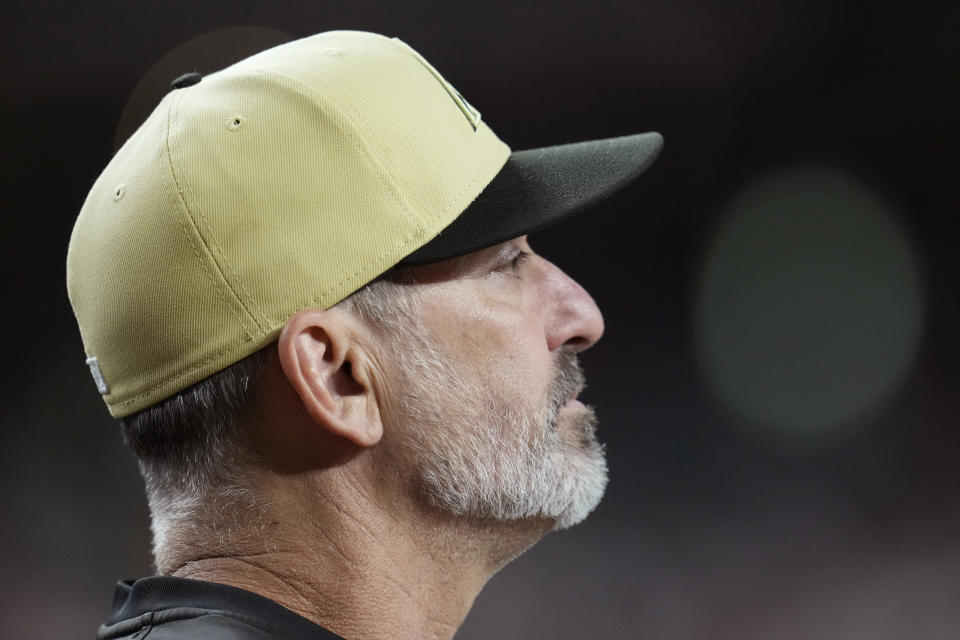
point(235, 123)
point(119, 192)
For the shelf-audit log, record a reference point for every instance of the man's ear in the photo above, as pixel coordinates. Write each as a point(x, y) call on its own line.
point(320, 359)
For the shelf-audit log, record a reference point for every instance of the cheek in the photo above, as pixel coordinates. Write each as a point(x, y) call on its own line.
point(511, 350)
point(499, 338)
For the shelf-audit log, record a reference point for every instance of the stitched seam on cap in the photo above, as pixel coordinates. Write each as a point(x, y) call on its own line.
point(386, 178)
point(234, 280)
point(203, 264)
point(203, 240)
point(206, 272)
point(411, 193)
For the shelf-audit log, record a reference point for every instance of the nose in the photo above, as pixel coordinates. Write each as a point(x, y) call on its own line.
point(571, 318)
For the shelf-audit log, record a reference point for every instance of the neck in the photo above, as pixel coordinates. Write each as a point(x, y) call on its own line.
point(362, 566)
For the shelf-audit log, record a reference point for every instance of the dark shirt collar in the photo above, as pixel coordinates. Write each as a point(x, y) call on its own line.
point(148, 596)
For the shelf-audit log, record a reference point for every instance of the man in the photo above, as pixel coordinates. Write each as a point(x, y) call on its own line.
point(305, 288)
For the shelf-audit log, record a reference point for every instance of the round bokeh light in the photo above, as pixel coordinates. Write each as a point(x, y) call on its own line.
point(810, 305)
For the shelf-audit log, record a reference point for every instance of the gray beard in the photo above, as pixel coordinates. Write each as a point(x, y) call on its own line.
point(491, 457)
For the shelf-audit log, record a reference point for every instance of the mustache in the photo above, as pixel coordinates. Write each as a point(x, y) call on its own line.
point(568, 380)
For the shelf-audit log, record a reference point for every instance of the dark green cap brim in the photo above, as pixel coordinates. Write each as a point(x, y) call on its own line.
point(539, 187)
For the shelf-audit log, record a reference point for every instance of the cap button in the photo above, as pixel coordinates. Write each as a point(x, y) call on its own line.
point(186, 80)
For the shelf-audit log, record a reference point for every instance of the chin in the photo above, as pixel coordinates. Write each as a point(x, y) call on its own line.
point(592, 486)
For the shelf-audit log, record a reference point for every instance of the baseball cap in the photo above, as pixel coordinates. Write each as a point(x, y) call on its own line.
point(288, 181)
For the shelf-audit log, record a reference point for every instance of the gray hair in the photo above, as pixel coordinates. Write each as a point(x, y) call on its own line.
point(194, 452)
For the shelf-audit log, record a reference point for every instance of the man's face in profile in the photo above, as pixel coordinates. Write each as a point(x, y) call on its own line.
point(484, 358)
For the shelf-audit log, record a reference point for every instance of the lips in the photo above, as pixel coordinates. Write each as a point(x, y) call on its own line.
point(572, 398)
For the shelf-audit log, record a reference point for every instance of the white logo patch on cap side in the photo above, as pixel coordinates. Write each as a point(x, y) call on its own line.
point(98, 376)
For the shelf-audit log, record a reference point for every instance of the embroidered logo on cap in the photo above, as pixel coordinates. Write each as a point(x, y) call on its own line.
point(473, 116)
point(98, 376)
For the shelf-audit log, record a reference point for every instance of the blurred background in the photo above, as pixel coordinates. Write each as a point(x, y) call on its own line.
point(778, 380)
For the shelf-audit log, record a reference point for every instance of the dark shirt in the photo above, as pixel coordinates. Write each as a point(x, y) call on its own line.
point(164, 608)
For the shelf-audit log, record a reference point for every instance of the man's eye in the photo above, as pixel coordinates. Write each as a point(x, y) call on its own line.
point(518, 259)
point(512, 266)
